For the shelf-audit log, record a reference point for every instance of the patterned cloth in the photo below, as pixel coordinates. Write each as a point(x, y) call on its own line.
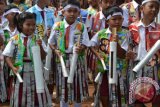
point(79, 89)
point(3, 91)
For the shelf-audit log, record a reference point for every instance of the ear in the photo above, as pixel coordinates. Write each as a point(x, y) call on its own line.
point(141, 9)
point(78, 12)
point(63, 13)
point(122, 19)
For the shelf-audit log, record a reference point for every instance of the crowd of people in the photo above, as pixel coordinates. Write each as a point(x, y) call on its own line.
point(52, 44)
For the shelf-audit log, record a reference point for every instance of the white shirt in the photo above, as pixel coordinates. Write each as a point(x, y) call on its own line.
point(126, 13)
point(15, 32)
point(72, 37)
point(4, 23)
point(141, 49)
point(95, 41)
point(9, 49)
point(101, 18)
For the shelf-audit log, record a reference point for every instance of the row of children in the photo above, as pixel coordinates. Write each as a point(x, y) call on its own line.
point(90, 39)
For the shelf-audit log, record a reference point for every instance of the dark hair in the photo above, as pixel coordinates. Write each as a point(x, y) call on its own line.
point(22, 17)
point(9, 7)
point(11, 1)
point(111, 10)
point(72, 2)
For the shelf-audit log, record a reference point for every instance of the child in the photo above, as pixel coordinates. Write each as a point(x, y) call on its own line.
point(25, 94)
point(131, 12)
point(142, 42)
point(97, 22)
point(93, 7)
point(3, 23)
point(20, 4)
point(3, 20)
point(11, 29)
point(101, 40)
point(44, 18)
point(64, 36)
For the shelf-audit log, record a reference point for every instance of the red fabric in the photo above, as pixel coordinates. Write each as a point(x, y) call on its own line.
point(25, 44)
point(147, 39)
point(104, 89)
point(67, 36)
point(134, 33)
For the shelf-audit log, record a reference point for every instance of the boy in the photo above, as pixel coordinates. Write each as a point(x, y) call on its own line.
point(114, 18)
point(64, 36)
point(44, 18)
point(142, 41)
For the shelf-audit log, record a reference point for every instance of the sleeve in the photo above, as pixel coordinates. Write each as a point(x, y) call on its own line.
point(9, 49)
point(85, 38)
point(52, 39)
point(94, 41)
point(89, 23)
point(44, 46)
point(125, 16)
point(126, 42)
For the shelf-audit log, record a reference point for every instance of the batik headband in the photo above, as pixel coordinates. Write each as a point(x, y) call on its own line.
point(145, 1)
point(14, 10)
point(71, 6)
point(114, 14)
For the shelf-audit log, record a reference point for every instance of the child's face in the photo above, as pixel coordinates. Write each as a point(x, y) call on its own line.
point(10, 17)
point(115, 21)
point(45, 2)
point(29, 26)
point(106, 3)
point(150, 10)
point(2, 6)
point(71, 15)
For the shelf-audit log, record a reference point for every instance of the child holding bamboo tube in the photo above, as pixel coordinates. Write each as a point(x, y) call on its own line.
point(64, 36)
point(144, 35)
point(102, 39)
point(19, 57)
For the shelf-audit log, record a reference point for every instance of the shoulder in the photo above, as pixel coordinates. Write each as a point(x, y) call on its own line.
point(134, 26)
point(57, 25)
point(80, 26)
point(32, 9)
point(102, 32)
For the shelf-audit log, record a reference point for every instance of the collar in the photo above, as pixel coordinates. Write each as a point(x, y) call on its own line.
point(4, 20)
point(101, 15)
point(8, 29)
point(153, 24)
point(135, 4)
point(108, 31)
point(72, 26)
point(23, 35)
point(39, 9)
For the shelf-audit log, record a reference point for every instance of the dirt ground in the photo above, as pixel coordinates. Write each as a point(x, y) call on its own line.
point(85, 104)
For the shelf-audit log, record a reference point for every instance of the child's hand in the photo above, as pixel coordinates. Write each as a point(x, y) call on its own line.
point(100, 57)
point(130, 55)
point(15, 70)
point(48, 32)
point(58, 52)
point(39, 42)
point(80, 48)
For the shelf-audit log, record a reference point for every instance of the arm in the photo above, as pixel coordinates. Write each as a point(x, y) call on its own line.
point(121, 53)
point(10, 64)
point(41, 45)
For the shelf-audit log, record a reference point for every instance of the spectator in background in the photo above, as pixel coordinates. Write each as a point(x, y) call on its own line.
point(20, 4)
